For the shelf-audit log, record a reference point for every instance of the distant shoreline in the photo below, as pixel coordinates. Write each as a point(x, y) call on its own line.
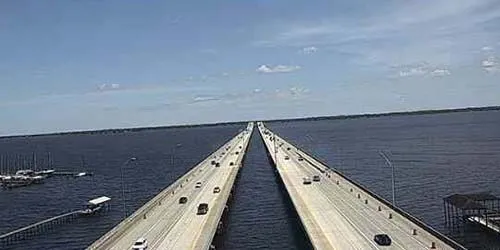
point(398, 113)
point(317, 118)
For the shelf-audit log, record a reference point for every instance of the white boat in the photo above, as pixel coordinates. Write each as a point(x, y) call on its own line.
point(81, 174)
point(25, 172)
point(16, 181)
point(46, 172)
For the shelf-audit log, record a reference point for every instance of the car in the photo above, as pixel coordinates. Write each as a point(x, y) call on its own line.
point(213, 162)
point(183, 200)
point(301, 159)
point(217, 165)
point(288, 148)
point(236, 152)
point(198, 185)
point(202, 208)
point(287, 157)
point(316, 178)
point(382, 239)
point(231, 164)
point(216, 190)
point(140, 244)
point(306, 180)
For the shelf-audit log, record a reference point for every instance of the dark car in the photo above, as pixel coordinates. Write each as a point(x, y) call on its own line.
point(382, 239)
point(183, 200)
point(202, 208)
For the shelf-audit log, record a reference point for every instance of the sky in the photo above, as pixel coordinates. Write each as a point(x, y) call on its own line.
point(85, 65)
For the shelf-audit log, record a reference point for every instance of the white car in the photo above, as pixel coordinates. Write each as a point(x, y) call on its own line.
point(198, 185)
point(306, 180)
point(140, 244)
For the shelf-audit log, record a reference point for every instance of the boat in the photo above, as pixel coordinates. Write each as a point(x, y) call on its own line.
point(16, 181)
point(25, 172)
point(81, 174)
point(46, 172)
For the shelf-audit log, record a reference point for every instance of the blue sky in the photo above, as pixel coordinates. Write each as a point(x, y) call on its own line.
point(80, 65)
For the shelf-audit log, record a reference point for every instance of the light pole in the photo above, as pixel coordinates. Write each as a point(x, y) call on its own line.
point(123, 187)
point(275, 149)
point(388, 161)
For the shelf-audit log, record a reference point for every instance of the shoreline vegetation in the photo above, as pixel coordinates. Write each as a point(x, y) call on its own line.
point(317, 118)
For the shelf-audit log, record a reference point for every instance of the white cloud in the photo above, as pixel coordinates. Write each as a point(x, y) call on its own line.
point(440, 72)
point(292, 93)
point(205, 98)
point(487, 48)
point(442, 32)
point(109, 86)
point(423, 69)
point(277, 69)
point(297, 91)
point(417, 71)
point(308, 50)
point(491, 64)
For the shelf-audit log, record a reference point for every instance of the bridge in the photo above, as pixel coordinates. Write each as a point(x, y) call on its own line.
point(172, 220)
point(338, 213)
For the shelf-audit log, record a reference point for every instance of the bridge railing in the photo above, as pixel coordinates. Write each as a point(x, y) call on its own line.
point(378, 198)
point(231, 179)
point(123, 226)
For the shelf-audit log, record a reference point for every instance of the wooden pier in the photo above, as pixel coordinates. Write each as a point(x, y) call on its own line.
point(37, 228)
point(94, 206)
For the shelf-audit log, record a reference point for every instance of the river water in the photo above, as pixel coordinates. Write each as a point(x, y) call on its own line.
point(434, 155)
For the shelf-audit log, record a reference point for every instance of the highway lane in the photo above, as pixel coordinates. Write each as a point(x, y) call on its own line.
point(194, 231)
point(167, 212)
point(333, 215)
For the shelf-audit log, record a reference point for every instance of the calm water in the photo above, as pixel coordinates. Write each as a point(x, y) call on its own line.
point(163, 156)
point(435, 155)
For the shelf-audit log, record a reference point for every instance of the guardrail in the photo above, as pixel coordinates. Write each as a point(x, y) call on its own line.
point(399, 211)
point(230, 180)
point(122, 227)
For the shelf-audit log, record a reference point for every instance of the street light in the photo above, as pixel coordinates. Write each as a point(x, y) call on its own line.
point(388, 161)
point(123, 187)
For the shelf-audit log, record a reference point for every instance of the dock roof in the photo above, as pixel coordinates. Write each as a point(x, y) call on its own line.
point(99, 200)
point(470, 201)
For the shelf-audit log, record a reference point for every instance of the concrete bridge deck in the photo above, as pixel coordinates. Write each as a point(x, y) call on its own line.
point(167, 224)
point(339, 214)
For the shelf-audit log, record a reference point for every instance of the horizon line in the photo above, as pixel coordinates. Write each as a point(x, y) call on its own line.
point(224, 123)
